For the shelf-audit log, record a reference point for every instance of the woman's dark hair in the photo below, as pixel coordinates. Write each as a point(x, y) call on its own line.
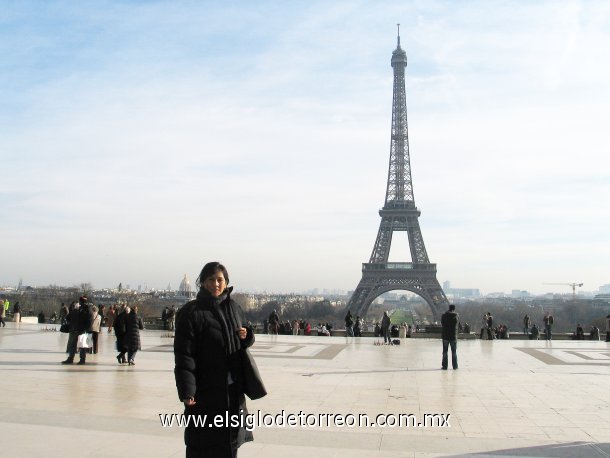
point(210, 269)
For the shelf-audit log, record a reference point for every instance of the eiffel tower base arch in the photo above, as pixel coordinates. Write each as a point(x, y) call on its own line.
point(381, 278)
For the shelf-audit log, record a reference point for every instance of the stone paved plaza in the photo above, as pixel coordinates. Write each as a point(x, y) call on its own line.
point(508, 398)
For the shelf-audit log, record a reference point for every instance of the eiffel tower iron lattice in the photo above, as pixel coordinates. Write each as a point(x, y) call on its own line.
point(399, 214)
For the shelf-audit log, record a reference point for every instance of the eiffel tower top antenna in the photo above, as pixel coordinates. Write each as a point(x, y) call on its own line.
point(398, 25)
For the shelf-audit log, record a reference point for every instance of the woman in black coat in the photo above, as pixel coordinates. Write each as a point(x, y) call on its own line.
point(210, 338)
point(131, 339)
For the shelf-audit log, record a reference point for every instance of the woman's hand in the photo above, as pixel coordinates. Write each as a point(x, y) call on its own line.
point(189, 402)
point(242, 332)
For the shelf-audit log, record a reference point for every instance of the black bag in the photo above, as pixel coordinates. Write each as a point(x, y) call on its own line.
point(64, 328)
point(396, 342)
point(254, 387)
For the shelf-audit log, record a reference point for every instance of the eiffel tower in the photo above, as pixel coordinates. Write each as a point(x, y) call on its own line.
point(399, 214)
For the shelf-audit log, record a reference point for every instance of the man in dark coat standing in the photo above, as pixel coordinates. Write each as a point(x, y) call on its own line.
point(385, 328)
point(449, 321)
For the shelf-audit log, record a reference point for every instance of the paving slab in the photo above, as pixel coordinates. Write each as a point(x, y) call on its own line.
point(508, 398)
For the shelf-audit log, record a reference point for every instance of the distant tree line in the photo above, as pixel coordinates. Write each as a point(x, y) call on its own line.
point(310, 311)
point(566, 314)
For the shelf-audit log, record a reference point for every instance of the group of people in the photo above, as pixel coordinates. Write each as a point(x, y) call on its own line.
point(401, 330)
point(491, 332)
point(274, 325)
point(83, 319)
point(353, 326)
point(533, 331)
point(168, 317)
point(579, 333)
point(465, 328)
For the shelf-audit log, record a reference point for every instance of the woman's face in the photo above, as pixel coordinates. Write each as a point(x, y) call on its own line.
point(215, 284)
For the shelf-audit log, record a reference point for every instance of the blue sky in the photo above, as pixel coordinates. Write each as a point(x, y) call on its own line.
point(139, 140)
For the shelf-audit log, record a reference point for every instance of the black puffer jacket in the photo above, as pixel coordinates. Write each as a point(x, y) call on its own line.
point(72, 320)
point(133, 324)
point(208, 357)
point(82, 319)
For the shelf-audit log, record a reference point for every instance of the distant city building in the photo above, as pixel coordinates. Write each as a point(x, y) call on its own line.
point(185, 288)
point(460, 293)
point(604, 289)
point(463, 293)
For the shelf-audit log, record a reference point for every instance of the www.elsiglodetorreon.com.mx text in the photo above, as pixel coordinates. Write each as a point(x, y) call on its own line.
point(301, 419)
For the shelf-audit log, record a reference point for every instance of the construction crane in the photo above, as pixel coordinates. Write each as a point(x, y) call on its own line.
point(573, 285)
